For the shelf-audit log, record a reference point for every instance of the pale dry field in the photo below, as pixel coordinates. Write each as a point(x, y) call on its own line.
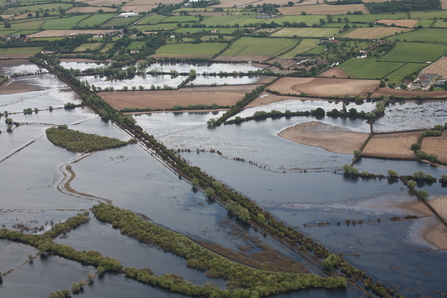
point(444, 4)
point(373, 33)
point(439, 67)
point(331, 138)
point(167, 99)
point(437, 146)
point(101, 2)
point(402, 23)
point(266, 98)
point(323, 9)
point(394, 145)
point(440, 206)
point(51, 33)
point(409, 94)
point(86, 9)
point(239, 3)
point(138, 8)
point(337, 72)
point(325, 87)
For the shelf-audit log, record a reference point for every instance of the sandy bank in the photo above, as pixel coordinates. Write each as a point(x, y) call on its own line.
point(331, 138)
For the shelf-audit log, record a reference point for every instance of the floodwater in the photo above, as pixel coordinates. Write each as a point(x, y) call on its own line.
point(300, 185)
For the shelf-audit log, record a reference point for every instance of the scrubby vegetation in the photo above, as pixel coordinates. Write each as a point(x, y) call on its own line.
point(77, 141)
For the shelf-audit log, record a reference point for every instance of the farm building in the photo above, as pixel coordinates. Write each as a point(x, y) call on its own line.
point(127, 14)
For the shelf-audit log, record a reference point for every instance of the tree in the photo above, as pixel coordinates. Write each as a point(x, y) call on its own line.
point(75, 287)
point(392, 174)
point(210, 192)
point(322, 22)
point(7, 24)
point(422, 195)
point(290, 3)
point(416, 147)
point(411, 184)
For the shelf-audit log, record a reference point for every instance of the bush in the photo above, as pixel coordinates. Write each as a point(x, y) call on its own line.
point(415, 147)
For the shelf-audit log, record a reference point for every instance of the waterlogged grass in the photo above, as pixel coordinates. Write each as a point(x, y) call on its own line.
point(96, 19)
point(247, 46)
point(368, 68)
point(306, 32)
point(20, 51)
point(304, 46)
point(77, 141)
point(415, 52)
point(201, 49)
point(63, 23)
point(398, 75)
point(426, 34)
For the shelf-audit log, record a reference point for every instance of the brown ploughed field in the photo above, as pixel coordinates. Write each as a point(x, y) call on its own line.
point(437, 146)
point(392, 145)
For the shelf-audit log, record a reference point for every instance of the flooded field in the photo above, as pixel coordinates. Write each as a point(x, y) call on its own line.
point(300, 185)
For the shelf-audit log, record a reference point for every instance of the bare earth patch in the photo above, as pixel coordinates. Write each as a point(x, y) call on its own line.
point(409, 94)
point(444, 4)
point(266, 98)
point(393, 145)
point(331, 138)
point(401, 23)
point(437, 234)
point(51, 33)
point(242, 58)
point(373, 33)
point(437, 146)
point(322, 87)
point(337, 72)
point(137, 8)
point(167, 99)
point(101, 2)
point(439, 67)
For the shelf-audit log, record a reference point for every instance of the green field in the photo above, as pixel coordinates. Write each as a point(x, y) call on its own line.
point(106, 47)
point(27, 25)
point(201, 49)
point(63, 23)
point(304, 46)
point(306, 32)
point(415, 52)
point(20, 51)
point(180, 19)
point(398, 75)
point(440, 24)
point(428, 15)
point(40, 7)
point(425, 34)
point(374, 17)
point(248, 46)
point(368, 68)
point(150, 20)
point(27, 32)
point(136, 45)
point(120, 22)
point(96, 19)
point(49, 38)
point(220, 20)
point(218, 30)
point(88, 46)
point(7, 32)
point(308, 19)
point(424, 23)
point(158, 27)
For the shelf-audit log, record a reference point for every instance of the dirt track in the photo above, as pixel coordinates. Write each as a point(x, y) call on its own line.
point(394, 145)
point(167, 99)
point(325, 87)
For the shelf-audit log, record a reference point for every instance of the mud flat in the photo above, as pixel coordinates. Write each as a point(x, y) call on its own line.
point(437, 146)
point(392, 145)
point(331, 138)
point(167, 99)
point(325, 87)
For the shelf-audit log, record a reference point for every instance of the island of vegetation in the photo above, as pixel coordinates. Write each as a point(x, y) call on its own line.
point(76, 141)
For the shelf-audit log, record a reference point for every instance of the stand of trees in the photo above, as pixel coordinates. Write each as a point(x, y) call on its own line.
point(405, 5)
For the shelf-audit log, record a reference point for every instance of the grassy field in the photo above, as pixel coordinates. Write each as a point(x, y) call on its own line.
point(218, 30)
point(27, 32)
point(373, 33)
point(247, 46)
point(180, 19)
point(158, 27)
point(426, 34)
point(63, 23)
point(106, 47)
point(323, 9)
point(306, 32)
point(136, 45)
point(415, 52)
point(440, 24)
point(120, 22)
point(7, 32)
point(221, 20)
point(150, 20)
point(20, 51)
point(428, 15)
point(96, 19)
point(28, 25)
point(88, 46)
point(374, 17)
point(308, 19)
point(398, 75)
point(424, 23)
point(202, 49)
point(368, 68)
point(317, 50)
point(304, 46)
point(40, 7)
